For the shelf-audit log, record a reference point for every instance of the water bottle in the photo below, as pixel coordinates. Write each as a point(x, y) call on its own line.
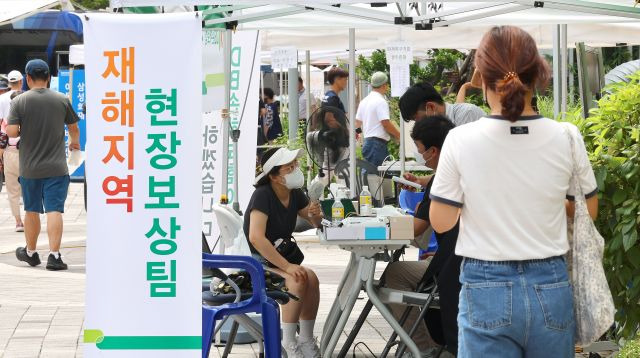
point(337, 209)
point(365, 201)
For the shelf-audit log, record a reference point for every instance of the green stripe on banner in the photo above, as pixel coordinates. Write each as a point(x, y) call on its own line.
point(214, 79)
point(150, 342)
point(141, 342)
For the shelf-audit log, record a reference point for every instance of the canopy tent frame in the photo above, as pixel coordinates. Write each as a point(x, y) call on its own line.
point(586, 7)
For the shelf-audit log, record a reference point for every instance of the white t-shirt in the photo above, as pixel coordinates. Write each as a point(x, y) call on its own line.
point(372, 110)
point(5, 105)
point(511, 181)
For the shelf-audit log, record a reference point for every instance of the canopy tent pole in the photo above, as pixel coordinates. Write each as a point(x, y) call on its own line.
point(292, 99)
point(403, 154)
point(571, 60)
point(307, 61)
point(352, 112)
point(225, 123)
point(556, 71)
point(563, 70)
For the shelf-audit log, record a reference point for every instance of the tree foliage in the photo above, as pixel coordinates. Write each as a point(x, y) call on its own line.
point(93, 4)
point(612, 138)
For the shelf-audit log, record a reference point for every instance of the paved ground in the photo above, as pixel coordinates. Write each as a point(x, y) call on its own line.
point(42, 312)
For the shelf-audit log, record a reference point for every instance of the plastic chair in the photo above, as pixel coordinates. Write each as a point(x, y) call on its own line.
point(258, 303)
point(230, 224)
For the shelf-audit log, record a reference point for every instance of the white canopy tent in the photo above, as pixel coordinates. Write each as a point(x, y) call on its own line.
point(320, 25)
point(12, 10)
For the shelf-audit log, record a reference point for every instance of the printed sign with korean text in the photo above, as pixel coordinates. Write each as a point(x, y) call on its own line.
point(144, 203)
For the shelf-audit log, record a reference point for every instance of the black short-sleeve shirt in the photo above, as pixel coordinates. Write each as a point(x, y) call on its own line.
point(446, 240)
point(281, 221)
point(331, 99)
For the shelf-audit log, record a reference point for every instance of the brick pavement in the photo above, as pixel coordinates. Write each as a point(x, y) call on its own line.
point(42, 312)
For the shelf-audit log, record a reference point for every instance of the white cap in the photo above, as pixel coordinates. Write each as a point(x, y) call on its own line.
point(14, 76)
point(282, 156)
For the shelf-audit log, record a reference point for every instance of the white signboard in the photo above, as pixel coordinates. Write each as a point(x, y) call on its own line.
point(243, 112)
point(399, 53)
point(400, 79)
point(143, 160)
point(212, 70)
point(284, 58)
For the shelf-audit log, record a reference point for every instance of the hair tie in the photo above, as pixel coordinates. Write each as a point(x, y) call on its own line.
point(510, 75)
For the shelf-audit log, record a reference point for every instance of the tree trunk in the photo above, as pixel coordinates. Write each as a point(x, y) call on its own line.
point(466, 72)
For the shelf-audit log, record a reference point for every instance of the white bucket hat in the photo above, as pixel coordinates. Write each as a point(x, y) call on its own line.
point(282, 156)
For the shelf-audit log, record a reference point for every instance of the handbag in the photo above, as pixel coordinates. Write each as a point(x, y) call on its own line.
point(289, 249)
point(593, 303)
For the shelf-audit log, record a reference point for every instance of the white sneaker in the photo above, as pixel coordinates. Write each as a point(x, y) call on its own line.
point(310, 348)
point(293, 350)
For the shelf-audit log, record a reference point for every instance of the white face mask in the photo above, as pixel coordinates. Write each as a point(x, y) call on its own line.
point(294, 180)
point(419, 159)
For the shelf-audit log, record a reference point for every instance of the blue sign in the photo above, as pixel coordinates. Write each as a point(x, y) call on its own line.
point(77, 101)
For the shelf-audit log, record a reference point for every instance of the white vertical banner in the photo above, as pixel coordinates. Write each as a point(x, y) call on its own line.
point(243, 112)
point(143, 165)
point(211, 173)
point(212, 70)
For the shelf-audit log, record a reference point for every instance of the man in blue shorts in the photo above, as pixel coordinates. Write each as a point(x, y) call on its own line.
point(38, 116)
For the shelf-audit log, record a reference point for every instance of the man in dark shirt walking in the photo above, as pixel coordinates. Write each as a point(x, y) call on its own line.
point(338, 79)
point(38, 116)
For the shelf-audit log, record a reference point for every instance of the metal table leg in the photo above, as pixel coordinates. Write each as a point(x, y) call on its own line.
point(348, 307)
point(334, 313)
point(384, 311)
point(365, 311)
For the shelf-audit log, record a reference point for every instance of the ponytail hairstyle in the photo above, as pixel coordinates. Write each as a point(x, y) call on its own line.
point(510, 65)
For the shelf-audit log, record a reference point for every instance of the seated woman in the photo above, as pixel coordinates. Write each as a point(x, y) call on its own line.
point(429, 134)
point(271, 217)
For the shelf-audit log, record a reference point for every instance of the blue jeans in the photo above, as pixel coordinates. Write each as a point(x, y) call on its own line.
point(374, 150)
point(515, 309)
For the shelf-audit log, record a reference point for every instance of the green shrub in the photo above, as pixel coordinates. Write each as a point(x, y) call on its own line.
point(630, 350)
point(612, 138)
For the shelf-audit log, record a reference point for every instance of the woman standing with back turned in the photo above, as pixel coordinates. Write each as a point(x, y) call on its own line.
point(507, 176)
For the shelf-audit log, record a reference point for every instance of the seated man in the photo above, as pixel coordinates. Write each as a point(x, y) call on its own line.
point(429, 134)
point(421, 100)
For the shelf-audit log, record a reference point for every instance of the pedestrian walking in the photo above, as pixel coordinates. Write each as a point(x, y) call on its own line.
point(38, 116)
point(9, 156)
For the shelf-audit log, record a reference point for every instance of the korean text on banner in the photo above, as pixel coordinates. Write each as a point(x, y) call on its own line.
point(77, 102)
point(243, 109)
point(143, 159)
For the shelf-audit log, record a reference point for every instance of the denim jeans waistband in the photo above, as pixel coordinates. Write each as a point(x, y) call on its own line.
point(377, 139)
point(471, 261)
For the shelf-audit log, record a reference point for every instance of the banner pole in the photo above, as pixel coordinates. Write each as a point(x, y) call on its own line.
point(308, 94)
point(225, 116)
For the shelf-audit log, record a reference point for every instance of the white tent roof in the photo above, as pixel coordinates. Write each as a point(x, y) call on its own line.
point(11, 10)
point(317, 26)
